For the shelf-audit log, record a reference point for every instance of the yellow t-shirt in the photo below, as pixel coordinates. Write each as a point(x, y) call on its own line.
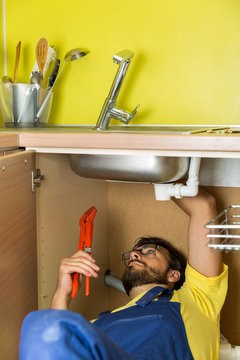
point(201, 300)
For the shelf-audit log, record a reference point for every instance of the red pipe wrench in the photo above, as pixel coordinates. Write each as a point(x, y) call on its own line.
point(85, 243)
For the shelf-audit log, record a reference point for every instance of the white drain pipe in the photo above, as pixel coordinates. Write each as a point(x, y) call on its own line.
point(165, 191)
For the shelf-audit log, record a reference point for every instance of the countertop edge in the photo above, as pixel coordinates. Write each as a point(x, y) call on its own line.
point(174, 142)
point(8, 140)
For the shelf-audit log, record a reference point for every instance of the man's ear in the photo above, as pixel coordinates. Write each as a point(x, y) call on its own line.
point(173, 276)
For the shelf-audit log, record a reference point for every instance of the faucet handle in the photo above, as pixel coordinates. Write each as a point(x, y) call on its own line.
point(122, 115)
point(124, 55)
point(134, 112)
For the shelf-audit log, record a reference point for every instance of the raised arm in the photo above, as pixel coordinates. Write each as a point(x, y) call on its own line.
point(82, 263)
point(201, 209)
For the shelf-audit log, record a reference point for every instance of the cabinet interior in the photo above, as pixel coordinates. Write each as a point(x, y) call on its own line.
point(125, 212)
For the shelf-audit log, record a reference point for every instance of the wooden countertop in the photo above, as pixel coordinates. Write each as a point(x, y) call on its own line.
point(121, 141)
point(133, 141)
point(8, 140)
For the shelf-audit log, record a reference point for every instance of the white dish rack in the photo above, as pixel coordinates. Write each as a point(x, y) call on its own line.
point(224, 229)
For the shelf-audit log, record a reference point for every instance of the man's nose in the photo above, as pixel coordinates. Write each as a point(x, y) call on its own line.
point(135, 255)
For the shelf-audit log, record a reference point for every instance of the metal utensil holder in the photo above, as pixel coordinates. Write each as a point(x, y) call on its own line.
point(224, 229)
point(20, 103)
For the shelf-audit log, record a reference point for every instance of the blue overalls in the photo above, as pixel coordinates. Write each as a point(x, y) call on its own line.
point(150, 330)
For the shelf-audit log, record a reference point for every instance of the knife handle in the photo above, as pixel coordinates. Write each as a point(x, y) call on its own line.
point(53, 75)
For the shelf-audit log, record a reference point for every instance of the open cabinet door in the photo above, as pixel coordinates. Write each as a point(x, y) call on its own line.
point(18, 248)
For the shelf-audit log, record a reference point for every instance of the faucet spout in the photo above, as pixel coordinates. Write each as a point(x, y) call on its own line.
point(109, 109)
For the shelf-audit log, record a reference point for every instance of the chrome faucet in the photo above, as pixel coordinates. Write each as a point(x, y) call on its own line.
point(109, 109)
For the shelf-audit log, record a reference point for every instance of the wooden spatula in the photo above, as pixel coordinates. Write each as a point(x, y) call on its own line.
point(18, 49)
point(41, 53)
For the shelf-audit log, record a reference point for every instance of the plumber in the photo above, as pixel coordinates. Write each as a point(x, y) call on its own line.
point(174, 308)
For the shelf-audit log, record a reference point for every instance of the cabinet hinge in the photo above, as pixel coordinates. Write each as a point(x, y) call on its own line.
point(36, 179)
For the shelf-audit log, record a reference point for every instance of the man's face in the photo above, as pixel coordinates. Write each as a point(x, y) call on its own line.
point(146, 269)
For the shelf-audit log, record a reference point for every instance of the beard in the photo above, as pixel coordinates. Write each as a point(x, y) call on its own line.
point(133, 277)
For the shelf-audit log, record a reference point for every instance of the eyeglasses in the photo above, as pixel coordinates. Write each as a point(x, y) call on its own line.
point(145, 251)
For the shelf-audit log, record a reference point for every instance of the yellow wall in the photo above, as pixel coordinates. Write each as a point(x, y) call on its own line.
point(186, 67)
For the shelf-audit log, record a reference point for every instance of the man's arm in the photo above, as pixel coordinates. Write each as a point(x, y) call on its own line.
point(82, 263)
point(201, 209)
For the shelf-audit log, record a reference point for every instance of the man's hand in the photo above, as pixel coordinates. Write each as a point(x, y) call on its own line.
point(81, 263)
point(201, 209)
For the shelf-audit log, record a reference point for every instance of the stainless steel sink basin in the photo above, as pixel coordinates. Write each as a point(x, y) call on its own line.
point(136, 168)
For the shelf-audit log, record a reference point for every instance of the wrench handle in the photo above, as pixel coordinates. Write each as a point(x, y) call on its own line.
point(75, 285)
point(87, 286)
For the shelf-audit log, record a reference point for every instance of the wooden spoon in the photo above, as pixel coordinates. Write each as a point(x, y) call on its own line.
point(41, 53)
point(18, 49)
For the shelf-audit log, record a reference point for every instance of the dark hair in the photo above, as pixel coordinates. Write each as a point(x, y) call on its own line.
point(177, 259)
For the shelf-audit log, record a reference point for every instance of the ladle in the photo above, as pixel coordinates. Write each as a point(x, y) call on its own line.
point(71, 55)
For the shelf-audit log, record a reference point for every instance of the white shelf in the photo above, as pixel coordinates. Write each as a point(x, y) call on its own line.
point(224, 230)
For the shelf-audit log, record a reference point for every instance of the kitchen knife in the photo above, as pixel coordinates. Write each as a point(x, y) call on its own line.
point(53, 75)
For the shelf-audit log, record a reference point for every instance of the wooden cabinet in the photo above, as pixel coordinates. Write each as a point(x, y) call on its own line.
point(38, 229)
point(18, 248)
